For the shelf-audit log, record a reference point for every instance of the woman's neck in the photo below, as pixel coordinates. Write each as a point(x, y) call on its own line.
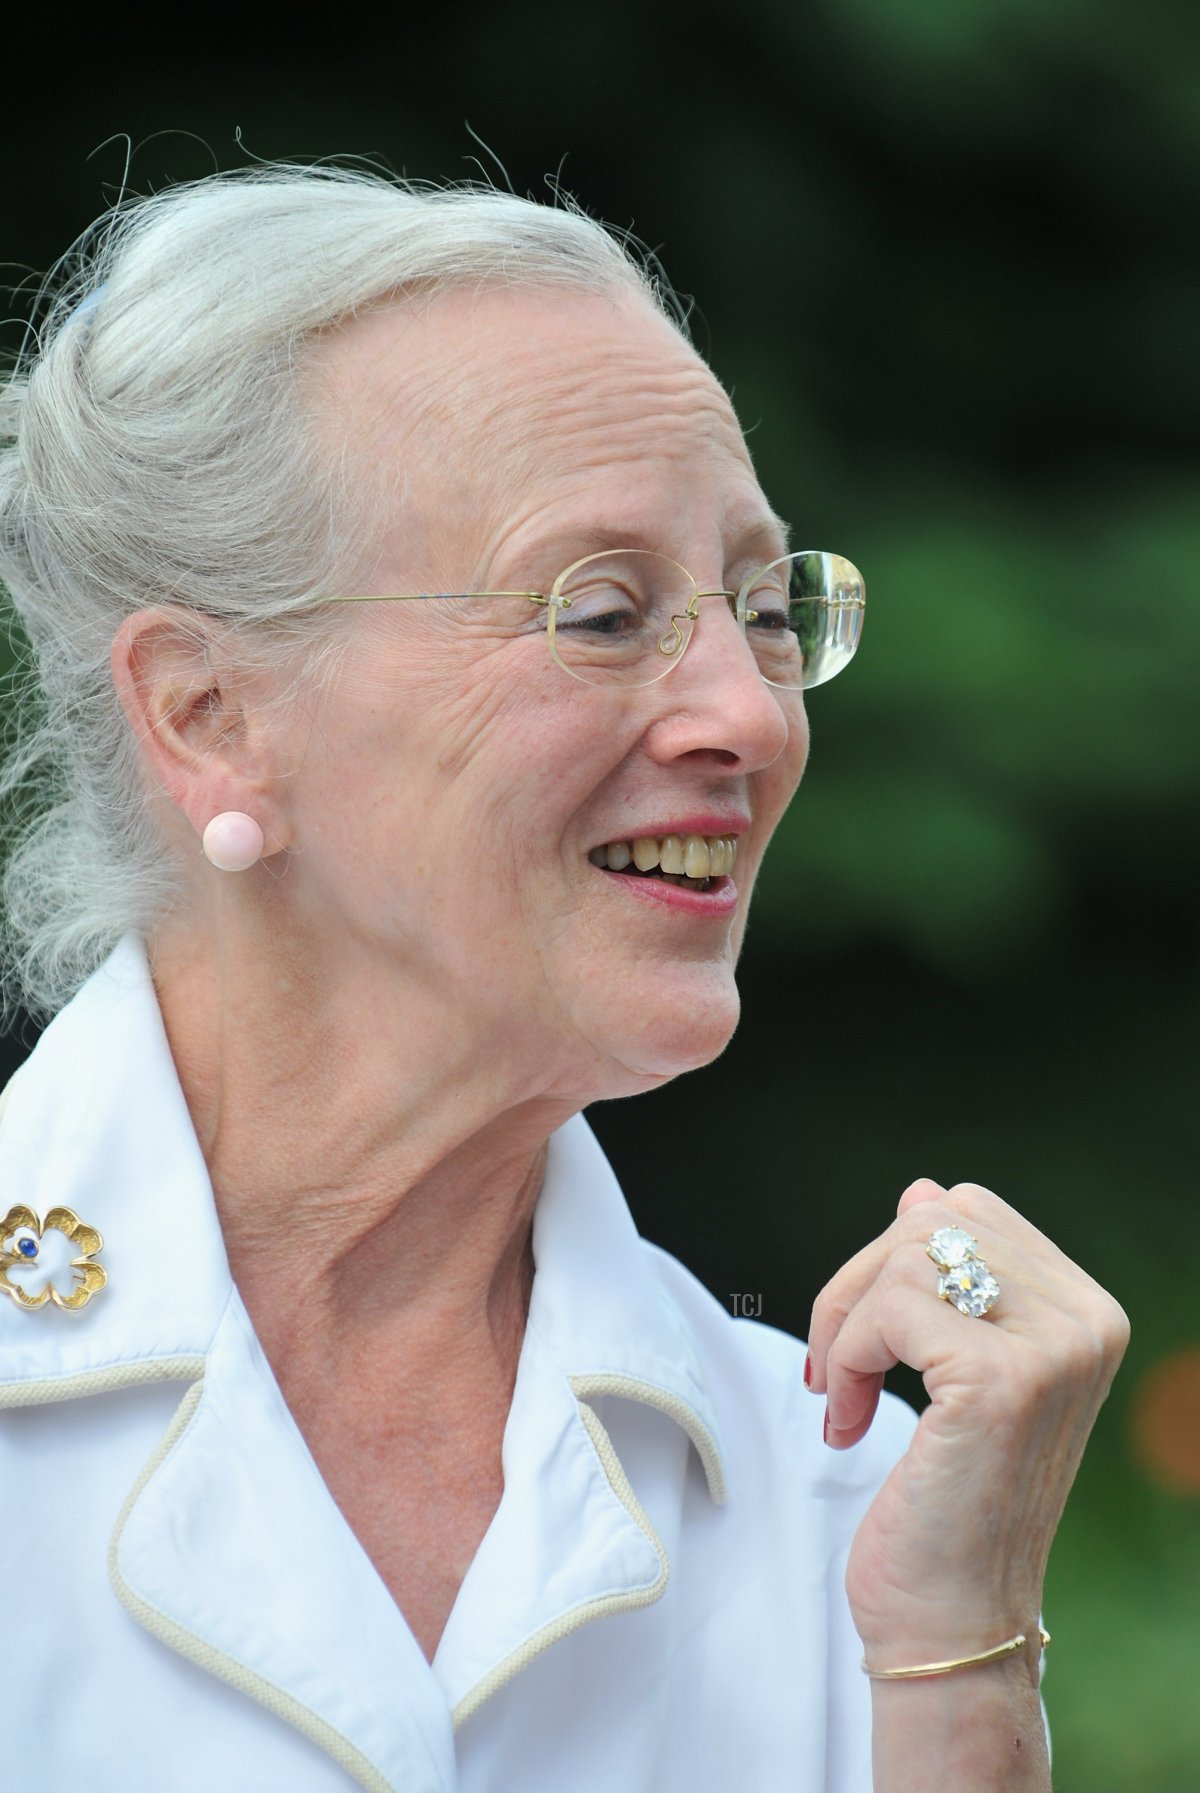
point(375, 1167)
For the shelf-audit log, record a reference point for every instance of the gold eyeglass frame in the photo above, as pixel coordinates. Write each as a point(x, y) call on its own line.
point(673, 650)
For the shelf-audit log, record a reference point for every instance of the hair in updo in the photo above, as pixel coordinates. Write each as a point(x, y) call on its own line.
point(157, 448)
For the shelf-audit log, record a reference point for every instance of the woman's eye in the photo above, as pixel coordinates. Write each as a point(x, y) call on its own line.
point(767, 615)
point(606, 622)
point(601, 612)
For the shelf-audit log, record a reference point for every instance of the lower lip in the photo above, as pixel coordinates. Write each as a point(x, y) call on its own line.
point(717, 902)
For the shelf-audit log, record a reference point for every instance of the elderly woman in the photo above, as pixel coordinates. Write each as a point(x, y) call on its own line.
point(351, 1434)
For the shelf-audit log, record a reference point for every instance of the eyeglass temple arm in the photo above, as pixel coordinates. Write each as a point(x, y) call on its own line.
point(420, 597)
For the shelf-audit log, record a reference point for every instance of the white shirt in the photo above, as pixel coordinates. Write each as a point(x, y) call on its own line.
point(656, 1607)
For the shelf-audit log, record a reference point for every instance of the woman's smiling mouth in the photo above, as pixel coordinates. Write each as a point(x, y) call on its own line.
point(693, 859)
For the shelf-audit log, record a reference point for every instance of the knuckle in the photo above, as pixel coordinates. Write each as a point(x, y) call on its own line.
point(1112, 1340)
point(909, 1266)
point(917, 1195)
point(1099, 1338)
point(829, 1311)
point(917, 1225)
point(969, 1192)
point(1116, 1329)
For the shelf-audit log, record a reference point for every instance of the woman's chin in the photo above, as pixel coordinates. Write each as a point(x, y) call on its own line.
point(669, 1037)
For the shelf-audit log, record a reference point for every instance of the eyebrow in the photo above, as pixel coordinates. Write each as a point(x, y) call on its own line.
point(575, 544)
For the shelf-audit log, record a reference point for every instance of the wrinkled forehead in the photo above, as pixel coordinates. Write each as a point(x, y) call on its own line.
point(484, 396)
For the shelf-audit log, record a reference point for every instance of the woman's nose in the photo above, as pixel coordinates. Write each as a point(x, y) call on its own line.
point(715, 699)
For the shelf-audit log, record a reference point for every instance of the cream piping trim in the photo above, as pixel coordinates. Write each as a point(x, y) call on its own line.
point(100, 1382)
point(648, 1392)
point(562, 1627)
point(214, 1661)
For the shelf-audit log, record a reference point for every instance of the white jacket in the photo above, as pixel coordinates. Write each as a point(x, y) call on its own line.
point(657, 1606)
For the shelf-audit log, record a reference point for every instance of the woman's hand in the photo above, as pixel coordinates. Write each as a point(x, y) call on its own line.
point(950, 1557)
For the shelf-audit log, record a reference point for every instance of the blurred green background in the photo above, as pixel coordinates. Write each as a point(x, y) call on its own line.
point(944, 255)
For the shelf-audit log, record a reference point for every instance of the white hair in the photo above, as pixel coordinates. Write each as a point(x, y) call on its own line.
point(157, 449)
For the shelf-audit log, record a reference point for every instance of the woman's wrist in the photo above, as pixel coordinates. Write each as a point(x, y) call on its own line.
point(1029, 1645)
point(931, 1631)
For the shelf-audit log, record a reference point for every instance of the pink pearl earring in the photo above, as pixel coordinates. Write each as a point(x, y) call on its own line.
point(233, 842)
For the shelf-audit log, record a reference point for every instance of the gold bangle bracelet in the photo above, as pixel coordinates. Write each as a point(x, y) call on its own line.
point(945, 1668)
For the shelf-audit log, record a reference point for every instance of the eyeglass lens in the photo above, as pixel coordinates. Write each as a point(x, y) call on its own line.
point(626, 616)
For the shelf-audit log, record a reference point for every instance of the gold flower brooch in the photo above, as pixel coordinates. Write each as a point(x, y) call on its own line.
point(49, 1260)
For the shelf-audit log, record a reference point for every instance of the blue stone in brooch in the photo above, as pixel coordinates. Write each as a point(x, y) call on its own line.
point(27, 1247)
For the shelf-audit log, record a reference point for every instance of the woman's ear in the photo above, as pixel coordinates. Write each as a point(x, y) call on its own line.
point(190, 712)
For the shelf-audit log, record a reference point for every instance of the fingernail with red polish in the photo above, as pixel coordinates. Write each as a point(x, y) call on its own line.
point(808, 1369)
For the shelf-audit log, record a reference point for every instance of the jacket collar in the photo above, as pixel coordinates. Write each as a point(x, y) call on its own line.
point(96, 1121)
point(598, 1303)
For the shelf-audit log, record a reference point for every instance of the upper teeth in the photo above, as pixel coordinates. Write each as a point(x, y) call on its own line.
point(679, 855)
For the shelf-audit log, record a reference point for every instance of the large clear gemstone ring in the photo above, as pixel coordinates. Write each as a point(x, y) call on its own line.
point(965, 1279)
